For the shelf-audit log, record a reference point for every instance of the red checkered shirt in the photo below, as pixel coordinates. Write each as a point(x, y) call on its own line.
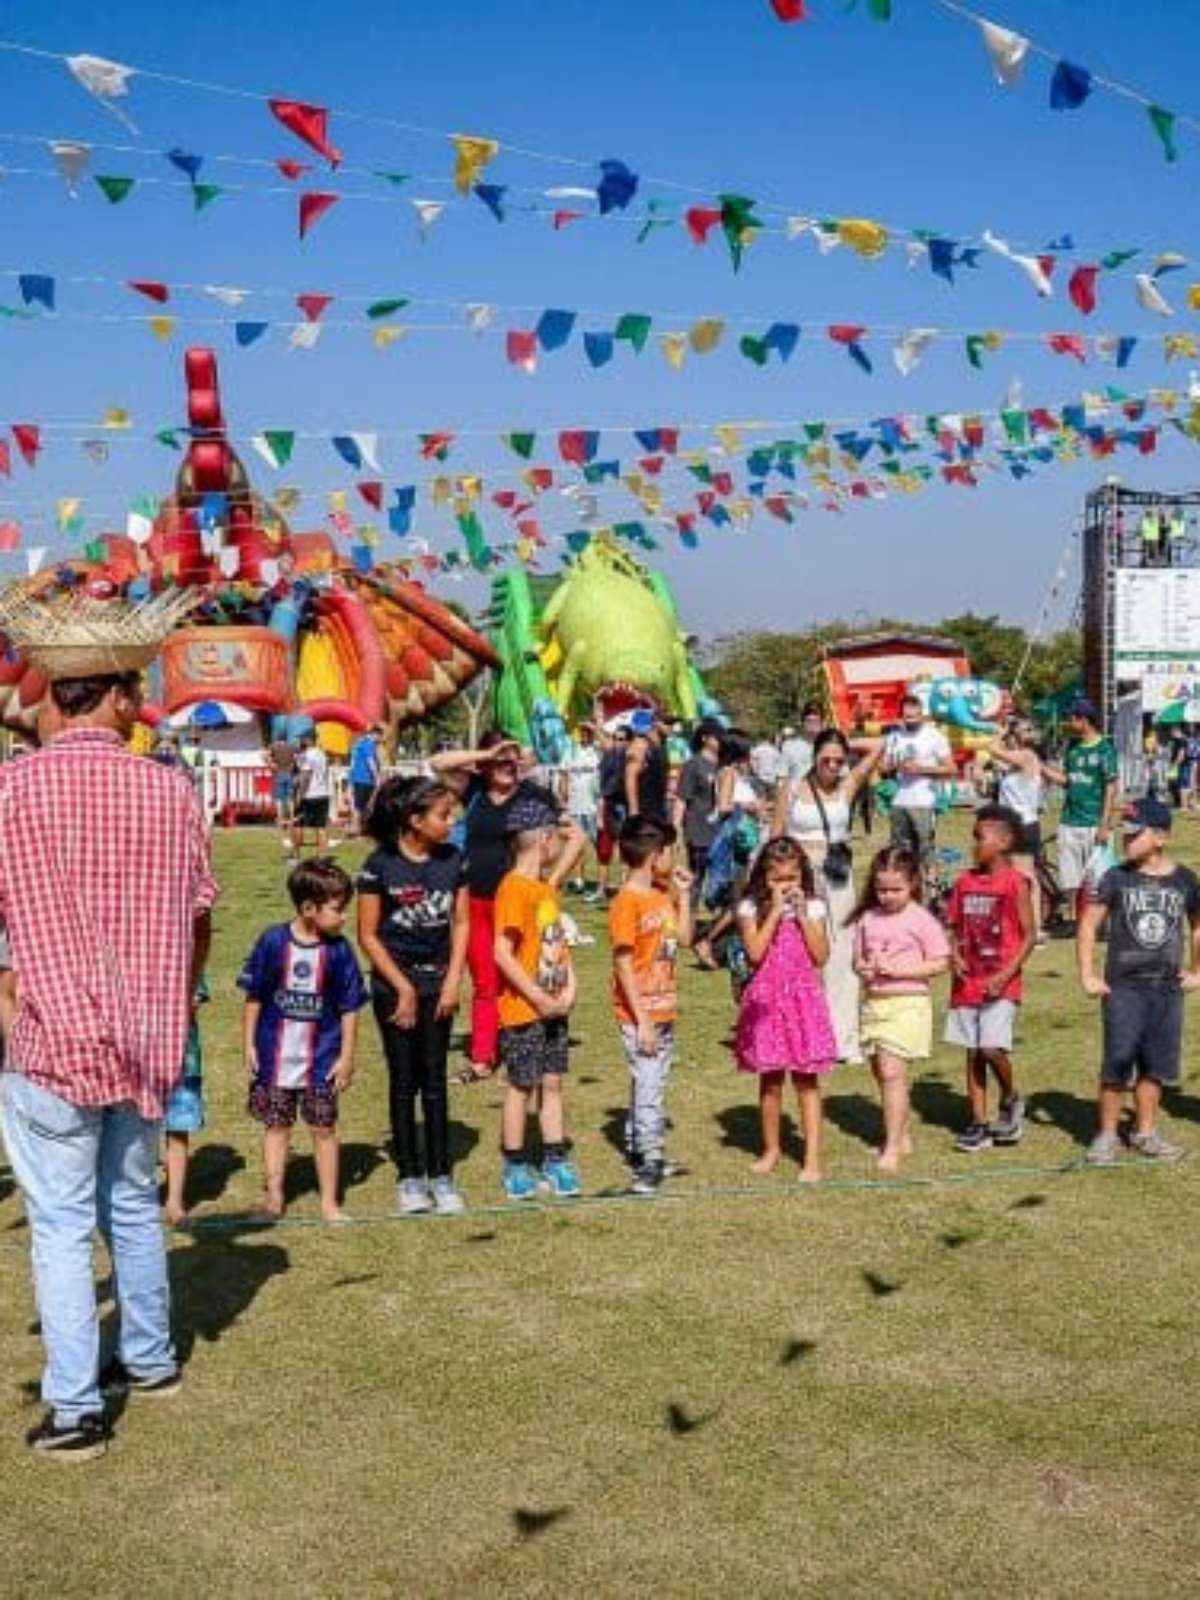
point(104, 866)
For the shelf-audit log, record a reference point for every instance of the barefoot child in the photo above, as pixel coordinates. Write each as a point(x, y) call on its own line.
point(898, 948)
point(1153, 909)
point(784, 1025)
point(303, 994)
point(537, 995)
point(184, 1116)
point(992, 931)
point(413, 925)
point(648, 921)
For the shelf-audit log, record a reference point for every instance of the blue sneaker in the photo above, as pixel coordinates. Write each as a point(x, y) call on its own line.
point(562, 1179)
point(519, 1181)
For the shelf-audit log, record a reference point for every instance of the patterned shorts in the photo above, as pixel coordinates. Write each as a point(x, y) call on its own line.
point(276, 1108)
point(185, 1108)
point(534, 1051)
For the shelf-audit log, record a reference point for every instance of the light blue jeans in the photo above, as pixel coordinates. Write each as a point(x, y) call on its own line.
point(646, 1124)
point(79, 1168)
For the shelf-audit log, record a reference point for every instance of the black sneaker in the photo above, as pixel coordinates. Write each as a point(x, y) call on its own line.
point(117, 1379)
point(648, 1179)
point(975, 1136)
point(84, 1440)
point(1010, 1125)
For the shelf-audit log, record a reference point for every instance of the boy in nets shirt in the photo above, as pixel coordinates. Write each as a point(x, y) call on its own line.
point(1153, 910)
point(647, 922)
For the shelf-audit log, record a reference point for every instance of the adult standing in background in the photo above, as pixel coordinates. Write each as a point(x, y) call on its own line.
point(1089, 773)
point(364, 771)
point(797, 748)
point(646, 767)
point(105, 888)
point(579, 784)
point(281, 758)
point(314, 793)
point(815, 811)
point(766, 763)
point(696, 817)
point(919, 756)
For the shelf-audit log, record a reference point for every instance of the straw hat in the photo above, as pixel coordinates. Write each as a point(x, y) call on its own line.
point(74, 636)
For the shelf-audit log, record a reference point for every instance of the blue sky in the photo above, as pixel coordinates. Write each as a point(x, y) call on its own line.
point(842, 117)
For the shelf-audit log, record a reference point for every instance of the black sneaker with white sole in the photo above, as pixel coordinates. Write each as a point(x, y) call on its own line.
point(975, 1136)
point(117, 1379)
point(84, 1440)
point(1010, 1125)
point(647, 1180)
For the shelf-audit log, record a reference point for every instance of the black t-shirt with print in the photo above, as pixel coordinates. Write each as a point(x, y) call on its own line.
point(486, 825)
point(417, 915)
point(1148, 920)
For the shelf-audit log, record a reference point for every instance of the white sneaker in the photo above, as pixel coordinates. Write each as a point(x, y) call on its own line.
point(412, 1197)
point(447, 1201)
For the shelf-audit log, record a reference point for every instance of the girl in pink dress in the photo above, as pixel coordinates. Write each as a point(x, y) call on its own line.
point(785, 1025)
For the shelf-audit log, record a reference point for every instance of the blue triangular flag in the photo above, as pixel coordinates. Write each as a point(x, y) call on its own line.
point(400, 514)
point(188, 164)
point(617, 186)
point(579, 540)
point(782, 336)
point(213, 506)
point(1074, 417)
point(1125, 348)
point(941, 258)
point(492, 194)
point(554, 329)
point(348, 449)
point(650, 439)
point(860, 356)
point(599, 348)
point(36, 286)
point(362, 556)
point(1069, 87)
point(247, 332)
point(689, 539)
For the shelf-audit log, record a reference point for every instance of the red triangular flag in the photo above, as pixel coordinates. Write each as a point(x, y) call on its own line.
point(540, 479)
point(1082, 289)
point(1147, 441)
point(10, 536)
point(293, 169)
point(561, 218)
point(789, 10)
point(528, 529)
point(1067, 344)
point(308, 123)
point(668, 438)
point(651, 464)
point(973, 432)
point(312, 305)
point(5, 459)
point(846, 333)
point(435, 445)
point(521, 347)
point(29, 440)
point(506, 499)
point(314, 204)
point(372, 493)
point(1047, 264)
point(699, 220)
point(152, 291)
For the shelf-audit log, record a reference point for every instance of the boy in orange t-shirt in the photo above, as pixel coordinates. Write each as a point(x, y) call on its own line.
point(537, 993)
point(649, 919)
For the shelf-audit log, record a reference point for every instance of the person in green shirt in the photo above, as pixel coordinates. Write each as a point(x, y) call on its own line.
point(1089, 776)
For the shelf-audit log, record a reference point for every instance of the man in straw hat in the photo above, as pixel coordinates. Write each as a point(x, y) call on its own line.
point(105, 887)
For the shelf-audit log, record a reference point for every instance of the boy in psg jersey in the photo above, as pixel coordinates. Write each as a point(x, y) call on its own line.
point(303, 994)
point(1153, 960)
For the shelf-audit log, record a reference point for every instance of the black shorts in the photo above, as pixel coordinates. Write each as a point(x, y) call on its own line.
point(1143, 1034)
point(1029, 840)
point(534, 1051)
point(313, 813)
point(364, 793)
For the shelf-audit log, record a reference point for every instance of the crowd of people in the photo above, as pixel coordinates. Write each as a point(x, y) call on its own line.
point(742, 852)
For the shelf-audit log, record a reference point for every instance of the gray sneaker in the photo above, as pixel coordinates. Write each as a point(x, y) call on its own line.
point(1010, 1124)
point(412, 1197)
point(1154, 1146)
point(1103, 1150)
point(447, 1201)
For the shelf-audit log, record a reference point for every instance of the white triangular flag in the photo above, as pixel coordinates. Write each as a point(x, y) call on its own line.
point(107, 80)
point(1029, 265)
point(34, 559)
point(71, 159)
point(227, 296)
point(1014, 395)
point(915, 252)
point(138, 528)
point(795, 226)
point(268, 571)
point(568, 191)
point(367, 444)
point(480, 316)
point(261, 445)
point(1106, 346)
point(304, 335)
point(96, 450)
point(827, 241)
point(428, 211)
point(229, 560)
point(1149, 297)
point(910, 348)
point(1007, 51)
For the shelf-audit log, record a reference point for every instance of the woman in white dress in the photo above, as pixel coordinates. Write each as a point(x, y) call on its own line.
point(814, 810)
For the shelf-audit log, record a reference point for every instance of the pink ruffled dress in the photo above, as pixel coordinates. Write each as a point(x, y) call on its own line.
point(785, 1023)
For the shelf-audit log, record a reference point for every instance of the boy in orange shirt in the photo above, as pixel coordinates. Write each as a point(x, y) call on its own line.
point(537, 993)
point(648, 920)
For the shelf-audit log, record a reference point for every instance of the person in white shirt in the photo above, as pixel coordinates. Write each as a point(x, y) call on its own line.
point(766, 764)
point(918, 756)
point(313, 792)
point(797, 750)
point(579, 786)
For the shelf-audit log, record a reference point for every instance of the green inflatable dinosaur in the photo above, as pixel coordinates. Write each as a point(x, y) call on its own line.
point(601, 640)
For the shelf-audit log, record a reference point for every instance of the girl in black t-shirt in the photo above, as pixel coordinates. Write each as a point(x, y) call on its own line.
point(413, 925)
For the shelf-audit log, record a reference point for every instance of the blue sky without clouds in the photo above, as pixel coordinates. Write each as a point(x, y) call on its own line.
point(840, 117)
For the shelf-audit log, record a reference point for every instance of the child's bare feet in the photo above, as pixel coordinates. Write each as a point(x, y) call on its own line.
point(268, 1210)
point(810, 1174)
point(334, 1214)
point(889, 1160)
point(766, 1163)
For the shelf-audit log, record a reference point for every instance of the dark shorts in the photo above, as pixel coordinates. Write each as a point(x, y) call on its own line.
point(276, 1108)
point(364, 793)
point(1143, 1034)
point(313, 813)
point(1029, 840)
point(534, 1051)
point(913, 829)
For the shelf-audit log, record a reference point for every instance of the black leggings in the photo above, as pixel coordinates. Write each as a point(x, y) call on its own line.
point(416, 1063)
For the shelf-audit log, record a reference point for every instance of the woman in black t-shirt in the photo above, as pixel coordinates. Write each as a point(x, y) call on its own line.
point(413, 923)
point(493, 781)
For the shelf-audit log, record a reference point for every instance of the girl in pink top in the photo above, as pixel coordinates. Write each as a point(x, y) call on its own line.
point(898, 948)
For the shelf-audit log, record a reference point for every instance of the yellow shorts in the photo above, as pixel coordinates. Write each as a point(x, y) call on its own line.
point(901, 1024)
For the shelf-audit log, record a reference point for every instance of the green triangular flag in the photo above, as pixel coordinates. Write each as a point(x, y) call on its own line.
point(114, 189)
point(94, 550)
point(396, 178)
point(280, 442)
point(477, 545)
point(1117, 258)
point(976, 345)
point(168, 437)
point(754, 349)
point(1163, 123)
point(1016, 425)
point(634, 326)
point(204, 193)
point(739, 223)
point(881, 10)
point(654, 219)
point(701, 471)
point(385, 308)
point(814, 430)
point(146, 505)
point(521, 444)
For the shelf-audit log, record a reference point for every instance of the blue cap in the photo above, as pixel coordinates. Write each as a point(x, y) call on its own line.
point(1085, 708)
point(642, 722)
point(1148, 813)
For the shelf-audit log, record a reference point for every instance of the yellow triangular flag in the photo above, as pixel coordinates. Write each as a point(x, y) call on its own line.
point(387, 335)
point(116, 417)
point(730, 437)
point(706, 334)
point(68, 510)
point(161, 327)
point(337, 501)
point(864, 237)
point(469, 489)
point(471, 155)
point(1177, 346)
point(526, 549)
point(674, 347)
point(1193, 297)
point(440, 491)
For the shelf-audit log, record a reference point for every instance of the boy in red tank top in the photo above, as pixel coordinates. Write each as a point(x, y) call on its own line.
point(991, 934)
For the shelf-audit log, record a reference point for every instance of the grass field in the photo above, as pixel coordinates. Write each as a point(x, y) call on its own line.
point(982, 1379)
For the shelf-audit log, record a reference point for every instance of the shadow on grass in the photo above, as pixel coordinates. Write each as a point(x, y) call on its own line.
point(214, 1282)
point(856, 1115)
point(938, 1105)
point(1056, 1108)
point(741, 1129)
point(679, 1422)
point(1186, 1106)
point(358, 1162)
point(529, 1523)
point(211, 1169)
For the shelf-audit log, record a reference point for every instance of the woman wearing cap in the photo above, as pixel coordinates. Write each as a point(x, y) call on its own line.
point(490, 781)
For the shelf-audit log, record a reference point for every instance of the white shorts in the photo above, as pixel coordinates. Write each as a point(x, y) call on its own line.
point(987, 1027)
point(1075, 846)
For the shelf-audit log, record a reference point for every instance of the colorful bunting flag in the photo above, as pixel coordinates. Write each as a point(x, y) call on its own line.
point(910, 348)
point(739, 223)
point(598, 347)
point(789, 10)
point(28, 439)
point(386, 335)
point(471, 155)
point(428, 212)
point(1149, 295)
point(247, 332)
point(706, 334)
point(304, 336)
point(292, 170)
point(186, 163)
point(37, 289)
point(161, 327)
point(113, 189)
point(521, 347)
point(1082, 289)
point(554, 329)
point(204, 194)
point(700, 220)
point(313, 305)
point(617, 186)
point(480, 316)
point(850, 336)
point(492, 195)
point(1006, 51)
point(309, 123)
point(1069, 87)
point(1067, 344)
point(313, 205)
point(867, 239)
point(71, 159)
point(634, 328)
point(1163, 123)
point(674, 347)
